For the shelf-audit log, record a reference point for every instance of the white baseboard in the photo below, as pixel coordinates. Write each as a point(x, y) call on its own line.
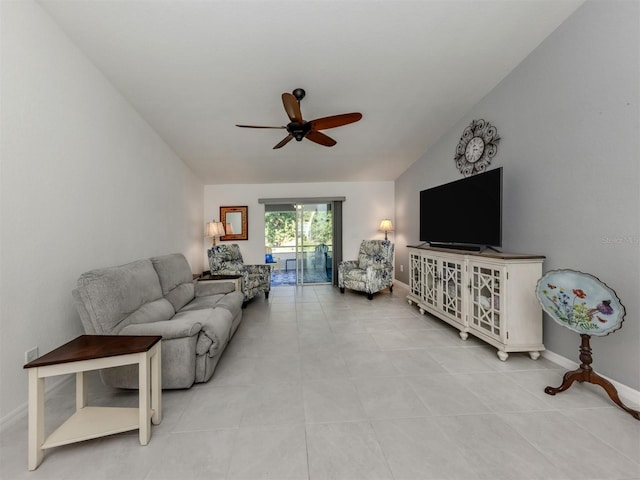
point(402, 284)
point(625, 392)
point(22, 410)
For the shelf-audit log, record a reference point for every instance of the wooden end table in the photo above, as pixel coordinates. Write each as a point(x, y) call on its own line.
point(93, 352)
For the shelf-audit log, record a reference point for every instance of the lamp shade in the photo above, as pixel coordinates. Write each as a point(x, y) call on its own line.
point(214, 229)
point(386, 225)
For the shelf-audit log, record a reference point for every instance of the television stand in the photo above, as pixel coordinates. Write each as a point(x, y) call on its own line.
point(485, 294)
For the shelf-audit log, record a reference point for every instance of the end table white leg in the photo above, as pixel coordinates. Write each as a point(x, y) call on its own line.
point(144, 417)
point(81, 391)
point(156, 384)
point(36, 418)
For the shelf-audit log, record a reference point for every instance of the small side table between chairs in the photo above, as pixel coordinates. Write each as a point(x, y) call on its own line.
point(93, 352)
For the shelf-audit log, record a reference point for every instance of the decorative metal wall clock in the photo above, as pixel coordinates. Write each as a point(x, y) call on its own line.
point(477, 146)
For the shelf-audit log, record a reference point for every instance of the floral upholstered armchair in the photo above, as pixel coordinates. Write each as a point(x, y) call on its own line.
point(227, 260)
point(373, 270)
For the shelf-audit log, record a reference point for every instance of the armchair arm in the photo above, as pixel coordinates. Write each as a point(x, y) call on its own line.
point(258, 269)
point(347, 265)
point(178, 328)
point(379, 276)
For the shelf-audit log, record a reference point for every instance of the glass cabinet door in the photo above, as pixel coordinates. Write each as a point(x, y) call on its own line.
point(416, 274)
point(486, 299)
point(431, 278)
point(451, 277)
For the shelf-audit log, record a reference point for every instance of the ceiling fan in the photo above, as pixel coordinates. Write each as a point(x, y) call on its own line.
point(299, 128)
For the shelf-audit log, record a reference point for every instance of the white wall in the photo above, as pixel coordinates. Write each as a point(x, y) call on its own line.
point(569, 119)
point(86, 183)
point(366, 204)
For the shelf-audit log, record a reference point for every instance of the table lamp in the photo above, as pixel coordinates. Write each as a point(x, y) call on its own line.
point(386, 226)
point(214, 229)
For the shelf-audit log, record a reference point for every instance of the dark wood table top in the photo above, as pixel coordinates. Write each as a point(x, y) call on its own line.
point(219, 277)
point(90, 347)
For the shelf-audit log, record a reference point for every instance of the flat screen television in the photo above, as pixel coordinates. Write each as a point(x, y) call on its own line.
point(466, 213)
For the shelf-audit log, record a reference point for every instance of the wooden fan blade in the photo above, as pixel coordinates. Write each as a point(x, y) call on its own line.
point(321, 138)
point(286, 140)
point(334, 121)
point(257, 126)
point(292, 107)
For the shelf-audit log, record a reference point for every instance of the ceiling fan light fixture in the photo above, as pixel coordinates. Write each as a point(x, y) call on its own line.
point(299, 93)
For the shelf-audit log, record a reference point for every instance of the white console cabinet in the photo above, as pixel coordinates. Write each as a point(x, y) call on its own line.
point(489, 295)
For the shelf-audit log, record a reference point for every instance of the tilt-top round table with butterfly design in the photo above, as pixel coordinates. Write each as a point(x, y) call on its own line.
point(585, 305)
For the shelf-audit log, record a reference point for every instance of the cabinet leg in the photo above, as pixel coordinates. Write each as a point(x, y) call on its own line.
point(410, 302)
point(503, 355)
point(421, 311)
point(534, 355)
point(463, 335)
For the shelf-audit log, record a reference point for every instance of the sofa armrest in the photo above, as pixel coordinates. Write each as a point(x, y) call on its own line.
point(178, 328)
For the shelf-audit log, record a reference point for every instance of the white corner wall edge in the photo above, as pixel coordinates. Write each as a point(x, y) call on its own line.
point(624, 391)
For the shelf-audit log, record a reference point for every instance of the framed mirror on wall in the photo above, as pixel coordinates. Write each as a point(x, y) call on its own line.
point(234, 220)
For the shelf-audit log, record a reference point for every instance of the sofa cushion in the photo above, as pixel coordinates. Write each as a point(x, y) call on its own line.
point(176, 278)
point(109, 295)
point(231, 301)
point(200, 303)
point(156, 311)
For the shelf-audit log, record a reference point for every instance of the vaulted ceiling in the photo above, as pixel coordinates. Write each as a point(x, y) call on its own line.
point(194, 69)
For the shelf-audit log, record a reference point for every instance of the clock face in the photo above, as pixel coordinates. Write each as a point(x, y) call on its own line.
point(474, 149)
point(477, 146)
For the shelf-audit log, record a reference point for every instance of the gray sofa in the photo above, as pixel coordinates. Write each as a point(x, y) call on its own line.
point(157, 296)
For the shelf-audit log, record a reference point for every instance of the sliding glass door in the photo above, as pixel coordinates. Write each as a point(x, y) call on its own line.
point(314, 244)
point(300, 239)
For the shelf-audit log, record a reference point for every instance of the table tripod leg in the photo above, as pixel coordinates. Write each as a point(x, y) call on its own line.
point(567, 381)
point(586, 374)
point(613, 394)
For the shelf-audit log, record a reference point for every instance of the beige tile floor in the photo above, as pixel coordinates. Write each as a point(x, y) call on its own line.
point(318, 385)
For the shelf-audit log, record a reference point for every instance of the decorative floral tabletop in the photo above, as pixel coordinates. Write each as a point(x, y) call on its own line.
point(580, 302)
